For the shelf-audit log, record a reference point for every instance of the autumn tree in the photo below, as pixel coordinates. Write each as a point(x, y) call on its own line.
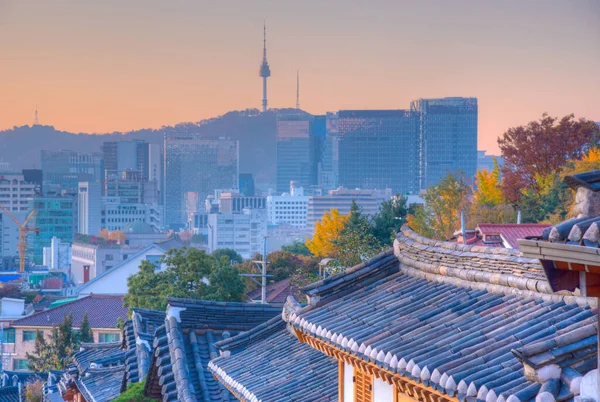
point(488, 202)
point(231, 255)
point(541, 148)
point(326, 233)
point(439, 218)
point(34, 391)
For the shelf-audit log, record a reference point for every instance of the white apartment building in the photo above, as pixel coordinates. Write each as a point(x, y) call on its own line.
point(243, 232)
point(288, 209)
point(116, 214)
point(15, 191)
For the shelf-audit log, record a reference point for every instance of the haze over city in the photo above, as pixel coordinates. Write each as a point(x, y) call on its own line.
point(118, 66)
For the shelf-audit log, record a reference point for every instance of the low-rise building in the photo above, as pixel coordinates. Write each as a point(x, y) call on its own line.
point(58, 255)
point(103, 313)
point(116, 214)
point(288, 209)
point(341, 199)
point(114, 280)
point(242, 232)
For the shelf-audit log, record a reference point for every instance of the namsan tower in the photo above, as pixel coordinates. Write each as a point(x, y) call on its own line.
point(265, 71)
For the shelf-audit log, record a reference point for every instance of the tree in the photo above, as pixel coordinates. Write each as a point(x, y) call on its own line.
point(231, 255)
point(489, 204)
point(439, 218)
point(56, 354)
point(540, 149)
point(190, 273)
point(297, 247)
point(85, 331)
point(390, 218)
point(356, 244)
point(327, 232)
point(34, 391)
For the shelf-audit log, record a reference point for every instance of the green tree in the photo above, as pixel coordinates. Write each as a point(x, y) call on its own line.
point(297, 247)
point(56, 354)
point(439, 218)
point(356, 244)
point(231, 255)
point(190, 273)
point(390, 218)
point(85, 331)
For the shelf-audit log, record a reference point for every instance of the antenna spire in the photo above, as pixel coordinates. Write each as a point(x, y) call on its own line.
point(297, 89)
point(264, 71)
point(265, 42)
point(36, 120)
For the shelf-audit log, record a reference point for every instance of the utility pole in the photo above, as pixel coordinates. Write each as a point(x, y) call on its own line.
point(260, 271)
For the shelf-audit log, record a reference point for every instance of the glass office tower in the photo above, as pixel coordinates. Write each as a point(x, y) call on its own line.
point(199, 165)
point(448, 137)
point(379, 149)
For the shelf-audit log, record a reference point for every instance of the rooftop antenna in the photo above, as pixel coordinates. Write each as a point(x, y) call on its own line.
point(297, 89)
point(36, 120)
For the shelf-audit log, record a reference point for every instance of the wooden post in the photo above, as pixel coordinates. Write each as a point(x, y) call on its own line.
point(341, 381)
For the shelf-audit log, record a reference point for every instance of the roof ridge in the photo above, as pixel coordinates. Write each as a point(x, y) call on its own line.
point(257, 333)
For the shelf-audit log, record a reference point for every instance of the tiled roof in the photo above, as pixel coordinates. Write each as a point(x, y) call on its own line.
point(276, 292)
point(98, 354)
point(273, 366)
point(185, 344)
point(103, 312)
point(512, 232)
point(11, 378)
point(470, 322)
point(138, 337)
point(101, 385)
point(590, 180)
point(10, 394)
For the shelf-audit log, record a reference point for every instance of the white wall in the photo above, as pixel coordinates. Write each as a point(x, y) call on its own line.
point(348, 383)
point(382, 391)
point(115, 280)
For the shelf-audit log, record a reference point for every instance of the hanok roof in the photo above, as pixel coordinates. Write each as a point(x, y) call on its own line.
point(273, 366)
point(456, 320)
point(138, 337)
point(502, 235)
point(590, 180)
point(97, 372)
point(185, 344)
point(103, 312)
point(10, 394)
point(277, 293)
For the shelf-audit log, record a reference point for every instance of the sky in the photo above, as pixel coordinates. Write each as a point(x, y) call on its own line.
point(114, 65)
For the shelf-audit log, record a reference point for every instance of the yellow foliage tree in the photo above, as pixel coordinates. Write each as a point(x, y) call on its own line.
point(117, 236)
point(104, 233)
point(487, 189)
point(327, 231)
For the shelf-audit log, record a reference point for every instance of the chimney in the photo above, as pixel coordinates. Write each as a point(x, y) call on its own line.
point(463, 230)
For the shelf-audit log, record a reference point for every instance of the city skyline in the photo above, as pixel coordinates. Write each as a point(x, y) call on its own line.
point(157, 66)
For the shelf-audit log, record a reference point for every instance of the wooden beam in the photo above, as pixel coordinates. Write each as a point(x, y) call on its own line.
point(406, 385)
point(341, 381)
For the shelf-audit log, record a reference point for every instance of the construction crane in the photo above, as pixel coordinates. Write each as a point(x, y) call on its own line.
point(24, 230)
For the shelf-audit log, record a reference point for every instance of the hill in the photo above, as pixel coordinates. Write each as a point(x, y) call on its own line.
point(21, 146)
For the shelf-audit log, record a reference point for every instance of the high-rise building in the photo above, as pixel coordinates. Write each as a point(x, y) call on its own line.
point(242, 232)
point(56, 216)
point(131, 187)
point(117, 214)
point(379, 149)
point(66, 168)
point(197, 164)
point(246, 185)
point(448, 137)
point(89, 209)
point(127, 155)
point(9, 240)
point(328, 167)
point(232, 202)
point(295, 155)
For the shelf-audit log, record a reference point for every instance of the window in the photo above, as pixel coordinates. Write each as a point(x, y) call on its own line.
point(29, 335)
point(154, 259)
point(20, 364)
point(9, 335)
point(104, 337)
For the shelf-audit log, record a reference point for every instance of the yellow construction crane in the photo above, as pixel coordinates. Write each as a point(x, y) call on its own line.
point(24, 230)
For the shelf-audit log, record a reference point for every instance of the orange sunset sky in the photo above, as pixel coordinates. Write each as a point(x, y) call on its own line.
point(102, 66)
